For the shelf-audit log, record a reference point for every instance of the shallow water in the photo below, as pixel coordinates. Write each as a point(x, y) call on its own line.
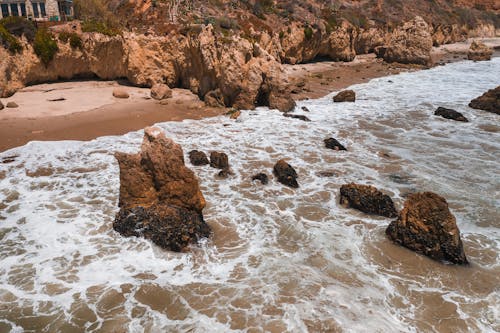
point(280, 259)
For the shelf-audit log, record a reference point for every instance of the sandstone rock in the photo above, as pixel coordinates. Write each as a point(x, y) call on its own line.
point(450, 114)
point(410, 43)
point(345, 96)
point(367, 199)
point(120, 93)
point(489, 101)
point(426, 226)
point(160, 198)
point(161, 91)
point(262, 177)
point(286, 174)
point(296, 116)
point(219, 160)
point(478, 51)
point(332, 143)
point(198, 158)
point(12, 105)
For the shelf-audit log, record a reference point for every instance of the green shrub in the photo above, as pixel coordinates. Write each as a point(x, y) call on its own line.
point(45, 46)
point(19, 26)
point(9, 42)
point(308, 32)
point(100, 27)
point(74, 39)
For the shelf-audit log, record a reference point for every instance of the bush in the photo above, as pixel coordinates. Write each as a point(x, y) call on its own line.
point(100, 27)
point(308, 32)
point(19, 26)
point(45, 46)
point(9, 42)
point(74, 40)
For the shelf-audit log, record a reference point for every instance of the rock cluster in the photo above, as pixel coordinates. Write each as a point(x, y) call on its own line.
point(367, 199)
point(489, 101)
point(478, 51)
point(160, 198)
point(426, 225)
point(450, 114)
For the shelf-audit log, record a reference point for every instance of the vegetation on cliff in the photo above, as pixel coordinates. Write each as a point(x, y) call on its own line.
point(45, 46)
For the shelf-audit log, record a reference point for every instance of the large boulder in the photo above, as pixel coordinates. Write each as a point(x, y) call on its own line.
point(410, 44)
point(286, 174)
point(198, 158)
point(450, 114)
point(478, 51)
point(345, 96)
point(426, 226)
point(489, 101)
point(161, 91)
point(367, 199)
point(160, 198)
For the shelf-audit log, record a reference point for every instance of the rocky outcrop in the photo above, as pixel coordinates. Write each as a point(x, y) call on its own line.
point(198, 158)
point(161, 91)
point(367, 199)
point(345, 96)
point(478, 51)
point(489, 101)
point(426, 226)
point(286, 174)
point(160, 198)
point(410, 43)
point(219, 160)
point(332, 143)
point(450, 114)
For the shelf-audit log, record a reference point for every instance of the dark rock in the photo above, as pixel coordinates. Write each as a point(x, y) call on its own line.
point(1, 105)
point(367, 199)
point(286, 174)
point(262, 177)
point(59, 99)
point(305, 109)
point(327, 174)
point(489, 101)
point(198, 158)
point(12, 105)
point(345, 96)
point(219, 160)
point(332, 143)
point(296, 116)
point(426, 226)
point(450, 114)
point(225, 173)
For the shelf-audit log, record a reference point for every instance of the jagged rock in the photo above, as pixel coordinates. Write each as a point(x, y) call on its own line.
point(161, 91)
point(332, 143)
point(286, 174)
point(345, 96)
point(262, 177)
point(219, 160)
point(426, 226)
point(450, 114)
point(296, 116)
point(367, 199)
point(120, 93)
point(12, 105)
point(410, 43)
point(198, 158)
point(160, 198)
point(478, 51)
point(489, 101)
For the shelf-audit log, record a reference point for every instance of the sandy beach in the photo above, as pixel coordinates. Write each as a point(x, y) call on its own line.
point(84, 110)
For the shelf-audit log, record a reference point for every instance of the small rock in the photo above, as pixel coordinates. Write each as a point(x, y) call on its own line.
point(296, 116)
point(450, 114)
point(219, 160)
point(225, 173)
point(120, 93)
point(327, 174)
point(262, 177)
point(367, 199)
point(332, 143)
point(345, 96)
point(305, 109)
point(286, 174)
point(426, 226)
point(59, 99)
point(1, 105)
point(12, 105)
point(198, 158)
point(235, 115)
point(478, 51)
point(161, 92)
point(489, 101)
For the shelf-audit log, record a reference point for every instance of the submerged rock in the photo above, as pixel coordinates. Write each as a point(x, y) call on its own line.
point(367, 199)
point(489, 101)
point(198, 158)
point(426, 226)
point(478, 51)
point(160, 198)
point(296, 116)
point(332, 143)
point(219, 160)
point(345, 96)
point(120, 93)
point(161, 91)
point(262, 177)
point(450, 114)
point(286, 174)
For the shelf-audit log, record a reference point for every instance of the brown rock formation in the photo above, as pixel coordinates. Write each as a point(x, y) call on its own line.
point(367, 199)
point(478, 51)
point(345, 96)
point(198, 158)
point(489, 101)
point(286, 174)
point(161, 91)
point(160, 197)
point(219, 160)
point(426, 226)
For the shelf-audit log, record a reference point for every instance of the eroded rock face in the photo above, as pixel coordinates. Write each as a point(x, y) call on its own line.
point(489, 101)
point(160, 198)
point(426, 226)
point(161, 91)
point(286, 174)
point(410, 43)
point(367, 199)
point(478, 51)
point(450, 114)
point(345, 96)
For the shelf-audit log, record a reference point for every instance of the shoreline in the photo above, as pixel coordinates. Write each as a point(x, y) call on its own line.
point(38, 119)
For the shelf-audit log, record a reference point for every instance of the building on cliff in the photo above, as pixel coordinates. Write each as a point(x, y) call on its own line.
point(38, 10)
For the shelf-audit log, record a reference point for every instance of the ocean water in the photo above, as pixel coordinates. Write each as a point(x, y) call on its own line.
point(280, 260)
